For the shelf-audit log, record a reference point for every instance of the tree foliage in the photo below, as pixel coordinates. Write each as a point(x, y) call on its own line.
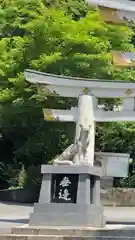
point(61, 37)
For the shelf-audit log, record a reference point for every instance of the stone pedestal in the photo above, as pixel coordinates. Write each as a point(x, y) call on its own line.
point(69, 196)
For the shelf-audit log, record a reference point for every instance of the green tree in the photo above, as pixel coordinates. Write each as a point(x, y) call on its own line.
point(44, 35)
point(76, 8)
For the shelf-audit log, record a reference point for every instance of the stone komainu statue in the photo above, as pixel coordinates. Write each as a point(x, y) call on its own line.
point(75, 152)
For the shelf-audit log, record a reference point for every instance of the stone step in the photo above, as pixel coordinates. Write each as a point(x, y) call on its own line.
point(51, 231)
point(53, 237)
point(68, 232)
point(91, 219)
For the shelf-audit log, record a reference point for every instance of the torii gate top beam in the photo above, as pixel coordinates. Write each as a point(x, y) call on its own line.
point(125, 5)
point(119, 12)
point(73, 87)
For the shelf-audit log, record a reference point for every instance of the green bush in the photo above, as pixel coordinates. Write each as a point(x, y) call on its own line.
point(18, 176)
point(9, 173)
point(22, 178)
point(29, 177)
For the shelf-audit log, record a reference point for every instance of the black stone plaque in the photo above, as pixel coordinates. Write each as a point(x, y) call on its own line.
point(64, 188)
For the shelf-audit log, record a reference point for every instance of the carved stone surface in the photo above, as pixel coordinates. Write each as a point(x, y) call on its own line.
point(64, 188)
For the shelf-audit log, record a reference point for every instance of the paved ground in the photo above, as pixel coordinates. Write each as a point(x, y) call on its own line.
point(12, 215)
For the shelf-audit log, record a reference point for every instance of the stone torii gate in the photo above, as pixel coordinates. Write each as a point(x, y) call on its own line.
point(70, 190)
point(72, 184)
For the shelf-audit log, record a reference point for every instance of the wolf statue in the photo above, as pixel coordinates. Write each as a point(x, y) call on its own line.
point(75, 153)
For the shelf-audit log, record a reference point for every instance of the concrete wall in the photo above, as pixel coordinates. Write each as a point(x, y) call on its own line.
point(118, 196)
point(106, 182)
